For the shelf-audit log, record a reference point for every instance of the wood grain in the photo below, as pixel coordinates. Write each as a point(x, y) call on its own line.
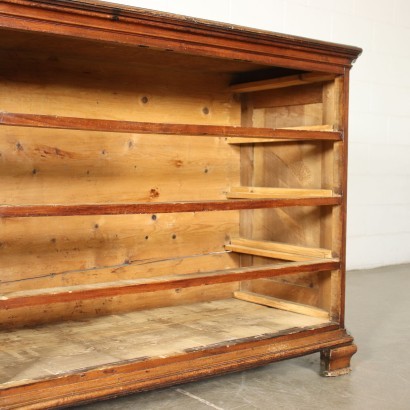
point(282, 82)
point(95, 291)
point(277, 250)
point(67, 347)
point(281, 304)
point(74, 123)
point(119, 128)
point(142, 375)
point(267, 192)
point(121, 25)
point(167, 207)
point(96, 248)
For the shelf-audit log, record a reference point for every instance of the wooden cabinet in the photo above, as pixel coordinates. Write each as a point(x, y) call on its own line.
point(173, 200)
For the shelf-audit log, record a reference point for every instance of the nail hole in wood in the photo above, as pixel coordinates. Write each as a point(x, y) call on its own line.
point(205, 110)
point(144, 99)
point(154, 217)
point(34, 171)
point(174, 236)
point(96, 226)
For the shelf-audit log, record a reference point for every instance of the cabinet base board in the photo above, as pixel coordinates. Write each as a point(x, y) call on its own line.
point(131, 376)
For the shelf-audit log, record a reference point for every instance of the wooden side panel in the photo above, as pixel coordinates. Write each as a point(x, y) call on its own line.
point(285, 290)
point(306, 165)
point(307, 288)
point(306, 94)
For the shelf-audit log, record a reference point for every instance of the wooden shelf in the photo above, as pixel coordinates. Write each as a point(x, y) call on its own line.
point(272, 193)
point(23, 211)
point(103, 290)
point(74, 123)
point(277, 250)
point(317, 128)
point(281, 304)
point(282, 82)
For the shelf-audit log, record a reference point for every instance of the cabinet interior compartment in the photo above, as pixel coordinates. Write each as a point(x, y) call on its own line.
point(123, 242)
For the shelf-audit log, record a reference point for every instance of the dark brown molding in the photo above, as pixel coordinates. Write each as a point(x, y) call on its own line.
point(108, 22)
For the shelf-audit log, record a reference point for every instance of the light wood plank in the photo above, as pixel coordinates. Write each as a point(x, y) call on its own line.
point(282, 82)
point(146, 89)
point(283, 247)
point(282, 304)
point(246, 175)
point(307, 294)
point(234, 140)
point(248, 250)
point(255, 201)
point(110, 248)
point(320, 127)
point(103, 290)
point(291, 96)
point(265, 192)
point(82, 309)
point(75, 123)
point(101, 167)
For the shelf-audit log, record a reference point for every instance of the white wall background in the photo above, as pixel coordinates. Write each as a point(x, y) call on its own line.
point(379, 174)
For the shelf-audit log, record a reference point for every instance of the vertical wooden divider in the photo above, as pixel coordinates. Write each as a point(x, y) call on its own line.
point(332, 219)
point(340, 223)
point(247, 179)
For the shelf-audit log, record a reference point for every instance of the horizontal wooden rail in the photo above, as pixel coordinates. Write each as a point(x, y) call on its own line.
point(277, 250)
point(267, 192)
point(281, 304)
point(21, 211)
point(281, 82)
point(74, 123)
point(243, 140)
point(104, 290)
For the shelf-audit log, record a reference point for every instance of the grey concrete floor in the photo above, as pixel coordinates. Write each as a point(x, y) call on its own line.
point(378, 310)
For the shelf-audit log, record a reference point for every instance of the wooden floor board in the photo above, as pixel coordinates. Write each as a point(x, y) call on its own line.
point(56, 349)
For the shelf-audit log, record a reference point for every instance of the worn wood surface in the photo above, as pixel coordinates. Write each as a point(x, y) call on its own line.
point(63, 348)
point(282, 82)
point(121, 25)
point(24, 307)
point(108, 247)
point(336, 361)
point(139, 375)
point(305, 167)
point(73, 123)
point(277, 250)
point(121, 128)
point(281, 304)
point(8, 211)
point(307, 293)
point(268, 192)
